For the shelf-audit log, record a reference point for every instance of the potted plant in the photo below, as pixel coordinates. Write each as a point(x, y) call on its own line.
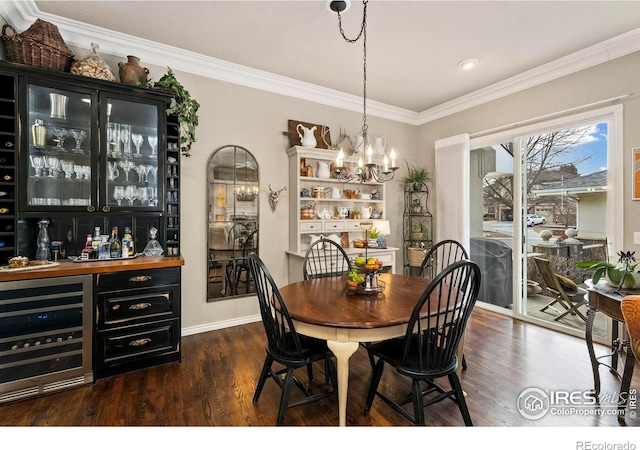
point(373, 237)
point(417, 230)
point(415, 205)
point(417, 177)
point(619, 275)
point(183, 106)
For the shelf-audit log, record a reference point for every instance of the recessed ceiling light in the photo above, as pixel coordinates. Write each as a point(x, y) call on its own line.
point(468, 64)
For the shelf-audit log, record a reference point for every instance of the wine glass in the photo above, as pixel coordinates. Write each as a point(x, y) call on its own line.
point(113, 138)
point(37, 162)
point(79, 171)
point(142, 171)
point(118, 194)
point(86, 172)
point(126, 165)
point(53, 165)
point(131, 194)
point(79, 136)
point(67, 168)
point(152, 192)
point(153, 142)
point(60, 134)
point(137, 140)
point(143, 195)
point(153, 170)
point(125, 138)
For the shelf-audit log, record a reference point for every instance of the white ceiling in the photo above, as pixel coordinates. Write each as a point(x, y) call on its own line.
point(414, 47)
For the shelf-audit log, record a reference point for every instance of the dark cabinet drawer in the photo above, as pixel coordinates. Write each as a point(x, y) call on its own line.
point(155, 303)
point(124, 345)
point(135, 279)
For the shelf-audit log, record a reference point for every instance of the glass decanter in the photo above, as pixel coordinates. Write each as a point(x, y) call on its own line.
point(43, 252)
point(153, 247)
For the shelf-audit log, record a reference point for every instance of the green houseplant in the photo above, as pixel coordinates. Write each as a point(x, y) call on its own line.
point(619, 275)
point(183, 106)
point(417, 177)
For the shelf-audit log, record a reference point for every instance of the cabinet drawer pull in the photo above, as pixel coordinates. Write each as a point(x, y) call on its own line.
point(140, 278)
point(139, 342)
point(139, 306)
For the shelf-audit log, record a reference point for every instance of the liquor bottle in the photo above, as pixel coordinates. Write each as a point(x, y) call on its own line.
point(115, 247)
point(127, 243)
point(95, 244)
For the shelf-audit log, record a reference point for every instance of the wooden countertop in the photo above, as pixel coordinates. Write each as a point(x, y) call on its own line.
point(69, 268)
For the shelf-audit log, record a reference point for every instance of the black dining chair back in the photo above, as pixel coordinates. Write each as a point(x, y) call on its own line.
point(242, 264)
point(325, 258)
point(440, 256)
point(428, 350)
point(284, 346)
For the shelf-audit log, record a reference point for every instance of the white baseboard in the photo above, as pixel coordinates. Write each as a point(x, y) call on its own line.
point(220, 325)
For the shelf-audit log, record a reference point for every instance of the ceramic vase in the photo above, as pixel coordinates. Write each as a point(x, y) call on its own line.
point(131, 73)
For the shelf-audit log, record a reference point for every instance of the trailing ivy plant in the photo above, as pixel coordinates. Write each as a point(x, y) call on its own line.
point(183, 106)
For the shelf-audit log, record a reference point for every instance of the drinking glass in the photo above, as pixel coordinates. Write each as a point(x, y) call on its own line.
point(78, 171)
point(79, 136)
point(131, 194)
point(143, 172)
point(153, 142)
point(86, 172)
point(37, 162)
point(67, 168)
point(153, 170)
point(126, 165)
point(137, 140)
point(60, 134)
point(143, 195)
point(125, 138)
point(118, 194)
point(113, 138)
point(53, 165)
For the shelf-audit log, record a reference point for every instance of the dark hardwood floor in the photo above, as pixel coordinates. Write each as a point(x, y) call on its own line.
point(214, 385)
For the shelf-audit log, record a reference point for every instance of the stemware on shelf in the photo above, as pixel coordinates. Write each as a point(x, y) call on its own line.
point(37, 162)
point(118, 194)
point(53, 165)
point(131, 194)
point(125, 138)
point(143, 171)
point(113, 138)
point(79, 136)
point(137, 140)
point(78, 171)
point(153, 143)
point(67, 168)
point(60, 134)
point(143, 195)
point(86, 172)
point(112, 171)
point(127, 166)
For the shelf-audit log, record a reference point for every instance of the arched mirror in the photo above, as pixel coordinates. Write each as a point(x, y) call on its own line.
point(233, 188)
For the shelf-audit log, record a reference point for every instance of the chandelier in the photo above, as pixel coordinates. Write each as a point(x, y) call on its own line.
point(373, 169)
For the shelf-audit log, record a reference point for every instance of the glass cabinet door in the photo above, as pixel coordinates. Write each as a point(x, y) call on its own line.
point(132, 165)
point(61, 167)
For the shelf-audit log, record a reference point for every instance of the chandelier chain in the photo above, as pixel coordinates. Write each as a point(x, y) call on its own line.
point(363, 34)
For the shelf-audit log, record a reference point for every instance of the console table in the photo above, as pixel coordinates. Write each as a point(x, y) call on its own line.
point(603, 298)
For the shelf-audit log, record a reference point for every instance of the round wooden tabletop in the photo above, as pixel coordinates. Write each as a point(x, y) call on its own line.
point(326, 302)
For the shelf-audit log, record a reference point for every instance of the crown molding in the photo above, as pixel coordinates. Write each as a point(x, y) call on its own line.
point(21, 14)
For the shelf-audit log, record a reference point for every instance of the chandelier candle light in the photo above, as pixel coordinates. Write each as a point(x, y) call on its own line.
point(371, 170)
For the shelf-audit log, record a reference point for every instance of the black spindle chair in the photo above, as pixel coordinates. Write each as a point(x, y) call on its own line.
point(285, 346)
point(428, 352)
point(325, 258)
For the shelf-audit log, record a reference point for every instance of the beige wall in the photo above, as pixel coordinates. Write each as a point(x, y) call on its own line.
point(254, 119)
point(618, 77)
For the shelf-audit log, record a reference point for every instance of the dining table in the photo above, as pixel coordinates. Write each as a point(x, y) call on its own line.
point(323, 308)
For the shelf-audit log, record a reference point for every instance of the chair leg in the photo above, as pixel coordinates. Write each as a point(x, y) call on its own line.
point(284, 398)
point(373, 387)
point(464, 362)
point(263, 377)
point(459, 397)
point(418, 404)
point(310, 371)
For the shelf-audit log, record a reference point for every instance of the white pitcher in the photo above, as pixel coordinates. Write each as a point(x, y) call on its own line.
point(335, 192)
point(379, 144)
point(323, 170)
point(366, 212)
point(307, 138)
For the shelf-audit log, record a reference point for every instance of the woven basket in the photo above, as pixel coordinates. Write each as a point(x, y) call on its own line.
point(40, 46)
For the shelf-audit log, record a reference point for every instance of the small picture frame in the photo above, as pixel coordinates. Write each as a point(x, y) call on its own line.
point(636, 173)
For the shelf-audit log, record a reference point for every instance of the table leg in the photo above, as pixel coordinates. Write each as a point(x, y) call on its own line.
point(591, 314)
point(343, 351)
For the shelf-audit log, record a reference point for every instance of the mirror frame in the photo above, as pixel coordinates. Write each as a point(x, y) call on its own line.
point(225, 256)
